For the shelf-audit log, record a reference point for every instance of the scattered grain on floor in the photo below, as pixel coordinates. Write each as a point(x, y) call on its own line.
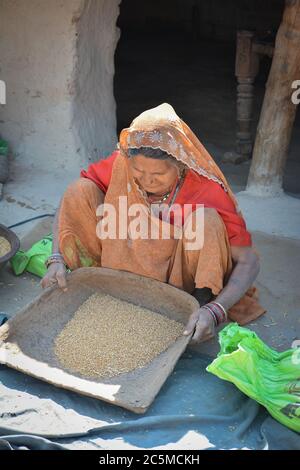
point(108, 336)
point(5, 246)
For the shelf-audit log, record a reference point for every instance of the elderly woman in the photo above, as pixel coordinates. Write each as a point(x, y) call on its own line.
point(161, 163)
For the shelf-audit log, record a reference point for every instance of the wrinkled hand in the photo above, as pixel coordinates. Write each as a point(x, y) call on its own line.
point(202, 325)
point(56, 274)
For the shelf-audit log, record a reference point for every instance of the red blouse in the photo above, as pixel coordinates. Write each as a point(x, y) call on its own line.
point(196, 189)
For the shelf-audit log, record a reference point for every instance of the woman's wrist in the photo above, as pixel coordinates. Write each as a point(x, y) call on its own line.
point(55, 258)
point(217, 312)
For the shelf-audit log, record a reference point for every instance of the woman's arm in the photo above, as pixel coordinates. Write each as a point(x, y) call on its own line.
point(241, 279)
point(56, 272)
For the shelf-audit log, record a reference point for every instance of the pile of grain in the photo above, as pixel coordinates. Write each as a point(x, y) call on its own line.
point(5, 247)
point(107, 337)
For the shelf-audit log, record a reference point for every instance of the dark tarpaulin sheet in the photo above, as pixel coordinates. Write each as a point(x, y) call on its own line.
point(194, 410)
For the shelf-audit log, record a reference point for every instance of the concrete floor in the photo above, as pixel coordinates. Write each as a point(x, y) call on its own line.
point(198, 80)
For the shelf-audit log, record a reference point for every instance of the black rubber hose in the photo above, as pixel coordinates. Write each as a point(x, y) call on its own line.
point(32, 218)
point(3, 318)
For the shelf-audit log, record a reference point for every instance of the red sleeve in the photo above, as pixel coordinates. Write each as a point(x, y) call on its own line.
point(100, 172)
point(235, 224)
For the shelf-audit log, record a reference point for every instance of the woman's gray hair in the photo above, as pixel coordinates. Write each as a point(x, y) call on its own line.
point(149, 152)
point(157, 154)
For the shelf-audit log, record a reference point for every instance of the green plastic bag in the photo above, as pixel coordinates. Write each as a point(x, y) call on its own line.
point(265, 375)
point(34, 259)
point(3, 147)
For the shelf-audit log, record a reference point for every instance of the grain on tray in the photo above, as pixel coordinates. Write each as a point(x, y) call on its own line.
point(108, 336)
point(5, 246)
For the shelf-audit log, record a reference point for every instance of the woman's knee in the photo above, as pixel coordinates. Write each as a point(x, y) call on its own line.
point(83, 189)
point(213, 221)
point(201, 226)
point(81, 185)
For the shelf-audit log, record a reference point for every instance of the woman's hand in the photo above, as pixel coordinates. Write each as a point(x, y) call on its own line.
point(202, 324)
point(56, 274)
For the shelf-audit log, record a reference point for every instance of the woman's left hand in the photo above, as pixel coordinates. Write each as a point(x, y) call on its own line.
point(202, 324)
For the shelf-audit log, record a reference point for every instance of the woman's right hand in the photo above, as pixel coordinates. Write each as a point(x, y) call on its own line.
point(201, 325)
point(56, 274)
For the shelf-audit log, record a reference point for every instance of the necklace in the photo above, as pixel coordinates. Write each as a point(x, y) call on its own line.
point(167, 195)
point(162, 199)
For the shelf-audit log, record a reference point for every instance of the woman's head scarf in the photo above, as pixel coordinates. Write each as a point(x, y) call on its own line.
point(161, 128)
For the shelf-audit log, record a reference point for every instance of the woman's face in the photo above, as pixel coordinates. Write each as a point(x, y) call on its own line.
point(153, 175)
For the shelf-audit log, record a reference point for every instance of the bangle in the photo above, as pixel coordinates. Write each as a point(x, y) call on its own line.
point(52, 261)
point(55, 258)
point(222, 308)
point(215, 318)
point(217, 311)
